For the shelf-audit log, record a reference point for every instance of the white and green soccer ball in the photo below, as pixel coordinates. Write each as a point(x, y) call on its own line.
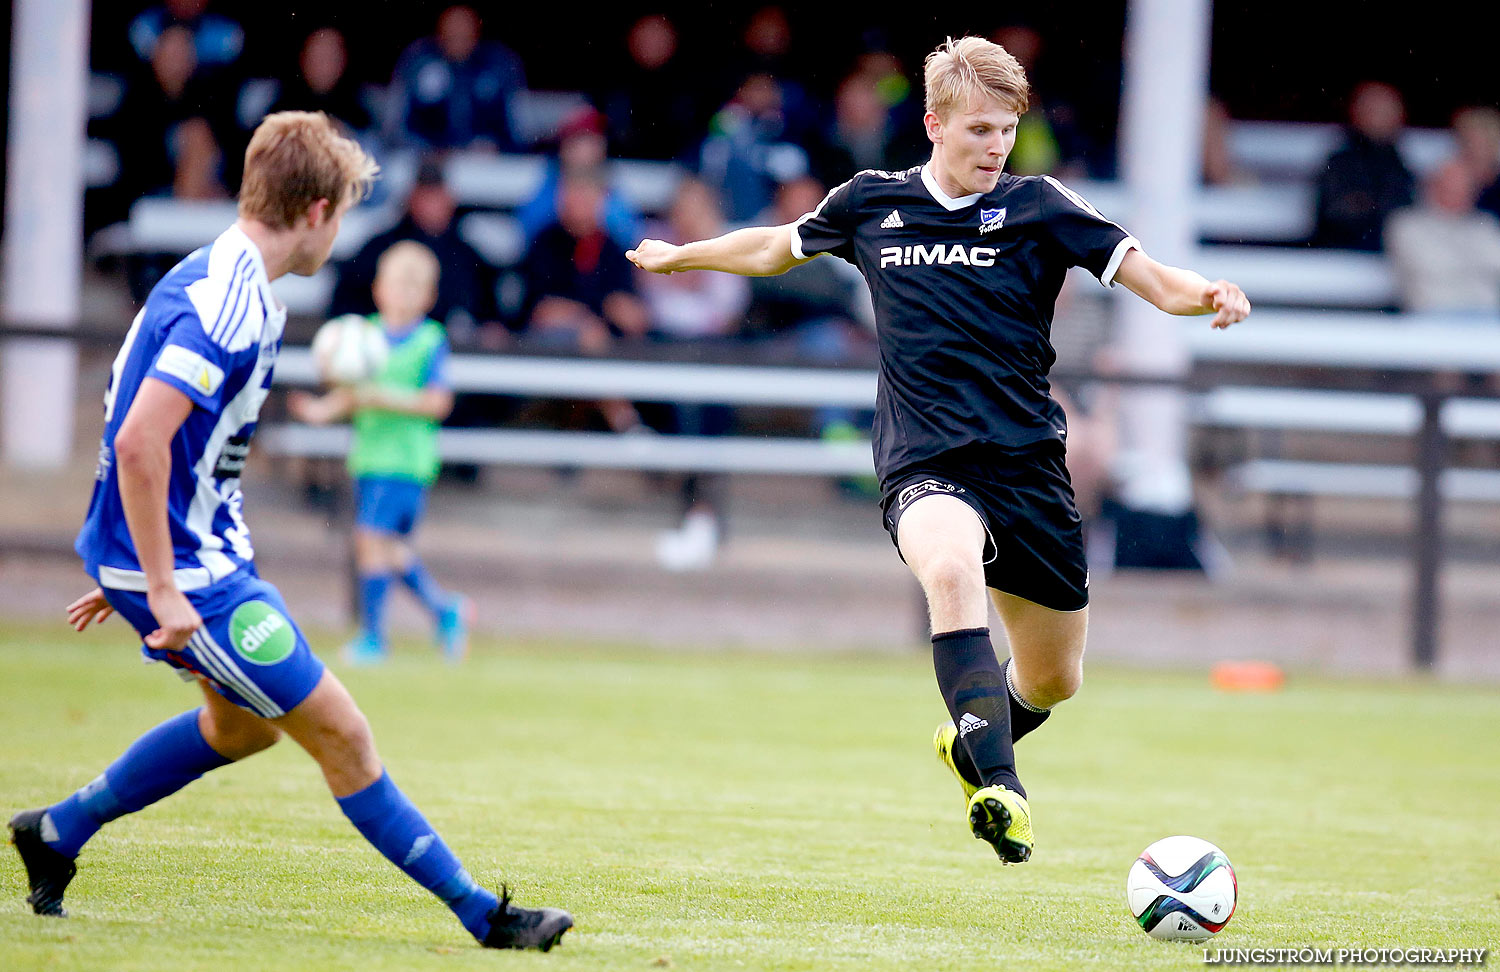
point(1182, 889)
point(349, 349)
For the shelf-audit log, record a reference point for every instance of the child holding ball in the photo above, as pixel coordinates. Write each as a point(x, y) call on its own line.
point(394, 457)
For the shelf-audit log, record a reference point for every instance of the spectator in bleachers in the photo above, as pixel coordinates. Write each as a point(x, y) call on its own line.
point(580, 289)
point(217, 40)
point(893, 83)
point(453, 90)
point(694, 306)
point(653, 104)
point(1446, 252)
point(171, 125)
point(581, 147)
point(810, 312)
point(466, 288)
point(1477, 131)
point(811, 307)
point(323, 83)
point(766, 48)
point(862, 135)
point(747, 153)
point(1365, 179)
point(1036, 149)
point(1219, 168)
point(1048, 137)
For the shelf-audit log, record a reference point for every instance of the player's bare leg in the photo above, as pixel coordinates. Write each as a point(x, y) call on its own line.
point(1046, 649)
point(943, 541)
point(233, 732)
point(329, 725)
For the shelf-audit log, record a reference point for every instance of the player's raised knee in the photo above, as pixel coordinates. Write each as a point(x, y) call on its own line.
point(1055, 687)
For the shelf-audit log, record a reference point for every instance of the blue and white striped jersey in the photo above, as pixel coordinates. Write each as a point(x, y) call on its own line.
point(210, 329)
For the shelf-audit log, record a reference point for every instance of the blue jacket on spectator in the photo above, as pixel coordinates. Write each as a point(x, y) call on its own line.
point(621, 221)
point(445, 104)
point(218, 41)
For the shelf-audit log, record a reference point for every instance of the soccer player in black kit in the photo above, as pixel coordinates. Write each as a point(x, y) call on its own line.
point(964, 264)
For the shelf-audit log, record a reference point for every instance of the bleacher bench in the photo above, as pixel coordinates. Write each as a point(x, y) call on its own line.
point(1289, 477)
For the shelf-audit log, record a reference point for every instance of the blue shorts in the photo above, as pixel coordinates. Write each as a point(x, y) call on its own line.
point(249, 648)
point(388, 504)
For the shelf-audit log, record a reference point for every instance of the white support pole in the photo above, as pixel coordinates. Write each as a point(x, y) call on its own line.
point(1161, 120)
point(43, 247)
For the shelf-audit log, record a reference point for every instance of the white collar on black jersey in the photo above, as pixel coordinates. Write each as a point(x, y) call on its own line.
point(945, 200)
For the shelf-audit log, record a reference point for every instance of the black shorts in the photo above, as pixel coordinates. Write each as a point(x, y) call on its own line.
point(1025, 501)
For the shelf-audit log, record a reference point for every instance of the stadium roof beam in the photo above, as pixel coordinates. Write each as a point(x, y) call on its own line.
point(43, 248)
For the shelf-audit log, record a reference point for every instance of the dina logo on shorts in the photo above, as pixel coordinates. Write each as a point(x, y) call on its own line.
point(922, 489)
point(260, 633)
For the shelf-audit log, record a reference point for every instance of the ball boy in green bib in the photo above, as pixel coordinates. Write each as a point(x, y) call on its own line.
point(394, 456)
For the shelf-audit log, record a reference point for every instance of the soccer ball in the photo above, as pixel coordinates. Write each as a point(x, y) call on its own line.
point(1182, 889)
point(349, 349)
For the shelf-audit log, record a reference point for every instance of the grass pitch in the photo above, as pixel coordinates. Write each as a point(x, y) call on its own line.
point(766, 812)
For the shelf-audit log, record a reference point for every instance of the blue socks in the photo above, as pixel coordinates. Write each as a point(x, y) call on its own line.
point(174, 754)
point(158, 764)
point(433, 597)
point(388, 820)
point(372, 591)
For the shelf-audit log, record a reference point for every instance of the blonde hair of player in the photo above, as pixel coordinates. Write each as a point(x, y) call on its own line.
point(296, 158)
point(406, 279)
point(961, 73)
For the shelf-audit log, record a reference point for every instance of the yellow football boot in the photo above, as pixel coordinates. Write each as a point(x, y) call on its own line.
point(943, 741)
point(1003, 818)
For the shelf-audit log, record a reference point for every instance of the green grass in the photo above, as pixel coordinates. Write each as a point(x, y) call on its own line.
point(766, 812)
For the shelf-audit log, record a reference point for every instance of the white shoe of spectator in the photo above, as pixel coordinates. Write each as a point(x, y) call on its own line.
point(691, 546)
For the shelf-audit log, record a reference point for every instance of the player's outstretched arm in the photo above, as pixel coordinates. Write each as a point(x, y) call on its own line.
point(143, 456)
point(1183, 292)
point(756, 251)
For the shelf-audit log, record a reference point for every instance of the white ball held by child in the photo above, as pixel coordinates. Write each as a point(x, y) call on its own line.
point(349, 349)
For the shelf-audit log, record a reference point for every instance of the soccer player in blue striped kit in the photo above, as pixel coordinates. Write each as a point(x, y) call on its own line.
point(165, 540)
point(964, 263)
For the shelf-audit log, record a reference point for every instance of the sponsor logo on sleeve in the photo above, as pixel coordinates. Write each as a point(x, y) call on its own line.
point(189, 366)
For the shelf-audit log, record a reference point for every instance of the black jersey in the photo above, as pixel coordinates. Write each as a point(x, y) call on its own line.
point(964, 291)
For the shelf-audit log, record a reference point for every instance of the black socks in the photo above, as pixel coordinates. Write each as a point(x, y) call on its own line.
point(973, 686)
point(1024, 717)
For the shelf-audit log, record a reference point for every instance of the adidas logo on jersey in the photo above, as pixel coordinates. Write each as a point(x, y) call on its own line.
point(893, 221)
point(968, 722)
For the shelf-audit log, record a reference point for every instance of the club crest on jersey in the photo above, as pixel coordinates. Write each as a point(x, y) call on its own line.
point(991, 219)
